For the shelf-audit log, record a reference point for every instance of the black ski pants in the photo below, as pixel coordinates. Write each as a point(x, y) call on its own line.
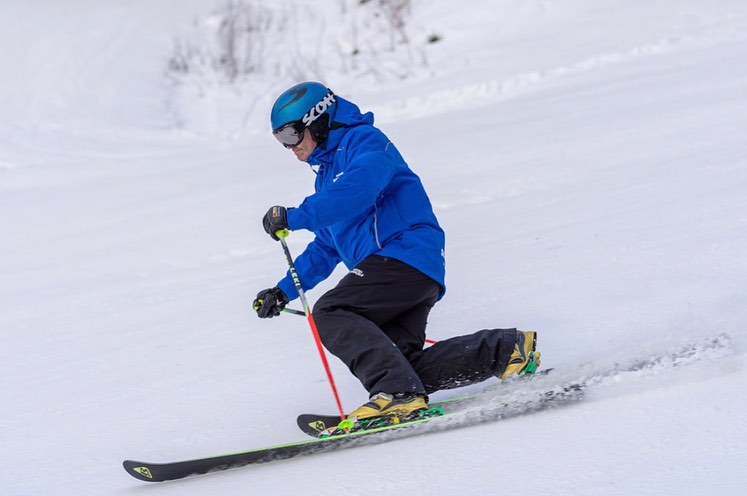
point(374, 320)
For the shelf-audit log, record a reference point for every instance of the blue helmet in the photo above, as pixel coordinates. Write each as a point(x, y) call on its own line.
point(305, 103)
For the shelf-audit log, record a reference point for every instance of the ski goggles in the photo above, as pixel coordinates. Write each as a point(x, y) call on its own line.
point(291, 134)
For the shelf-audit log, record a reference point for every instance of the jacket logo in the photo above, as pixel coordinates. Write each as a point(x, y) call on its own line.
point(337, 176)
point(317, 110)
point(357, 272)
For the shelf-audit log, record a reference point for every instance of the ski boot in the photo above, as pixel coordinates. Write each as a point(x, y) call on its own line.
point(384, 410)
point(524, 359)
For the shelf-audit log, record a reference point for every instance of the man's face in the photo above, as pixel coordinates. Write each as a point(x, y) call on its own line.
point(306, 147)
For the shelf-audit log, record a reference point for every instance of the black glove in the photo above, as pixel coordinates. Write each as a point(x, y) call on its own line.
point(275, 220)
point(270, 302)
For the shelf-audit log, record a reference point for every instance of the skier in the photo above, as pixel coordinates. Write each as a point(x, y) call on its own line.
point(371, 212)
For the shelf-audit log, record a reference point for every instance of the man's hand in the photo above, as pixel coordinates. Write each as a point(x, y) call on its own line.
point(270, 302)
point(276, 219)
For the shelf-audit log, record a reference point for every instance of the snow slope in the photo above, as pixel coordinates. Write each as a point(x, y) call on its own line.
point(587, 160)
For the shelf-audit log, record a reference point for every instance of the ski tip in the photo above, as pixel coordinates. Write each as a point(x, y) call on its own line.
point(314, 425)
point(139, 470)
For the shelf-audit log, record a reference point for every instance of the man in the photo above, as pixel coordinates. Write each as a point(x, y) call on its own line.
point(371, 212)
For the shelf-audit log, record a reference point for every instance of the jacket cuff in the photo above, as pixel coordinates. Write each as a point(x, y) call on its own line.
point(286, 286)
point(297, 219)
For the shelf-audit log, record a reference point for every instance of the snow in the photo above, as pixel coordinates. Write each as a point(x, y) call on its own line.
point(586, 159)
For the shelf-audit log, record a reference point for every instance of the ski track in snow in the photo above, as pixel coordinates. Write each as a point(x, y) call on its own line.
point(492, 91)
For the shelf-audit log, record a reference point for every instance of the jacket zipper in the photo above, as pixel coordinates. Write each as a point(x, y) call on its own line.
point(376, 225)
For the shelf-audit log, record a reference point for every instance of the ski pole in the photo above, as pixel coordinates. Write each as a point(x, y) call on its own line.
point(293, 311)
point(282, 234)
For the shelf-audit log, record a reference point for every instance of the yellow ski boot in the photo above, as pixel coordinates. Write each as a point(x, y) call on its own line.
point(524, 359)
point(400, 405)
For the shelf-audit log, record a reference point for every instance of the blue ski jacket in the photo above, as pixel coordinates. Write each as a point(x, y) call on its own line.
point(367, 202)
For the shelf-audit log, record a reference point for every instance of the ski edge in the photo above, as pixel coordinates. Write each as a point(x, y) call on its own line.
point(161, 472)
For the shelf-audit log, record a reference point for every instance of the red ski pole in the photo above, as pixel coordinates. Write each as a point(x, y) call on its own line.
point(282, 234)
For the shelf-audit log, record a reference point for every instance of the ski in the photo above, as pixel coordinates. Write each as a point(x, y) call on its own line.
point(159, 472)
point(484, 407)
